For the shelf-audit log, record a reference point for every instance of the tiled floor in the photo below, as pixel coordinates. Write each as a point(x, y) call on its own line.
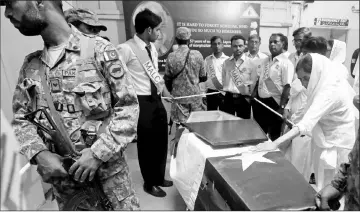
point(172, 201)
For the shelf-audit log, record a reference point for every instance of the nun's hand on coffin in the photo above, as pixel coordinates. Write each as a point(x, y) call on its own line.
point(266, 146)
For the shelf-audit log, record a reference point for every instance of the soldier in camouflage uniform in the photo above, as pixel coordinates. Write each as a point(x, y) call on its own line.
point(89, 86)
point(186, 82)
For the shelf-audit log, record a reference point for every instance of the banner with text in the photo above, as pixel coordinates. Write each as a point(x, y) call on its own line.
point(204, 18)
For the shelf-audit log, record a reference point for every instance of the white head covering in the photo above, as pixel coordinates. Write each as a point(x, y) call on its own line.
point(338, 51)
point(341, 69)
point(296, 87)
point(324, 73)
point(321, 75)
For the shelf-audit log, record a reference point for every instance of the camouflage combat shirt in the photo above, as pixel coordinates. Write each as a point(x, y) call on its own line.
point(89, 86)
point(186, 83)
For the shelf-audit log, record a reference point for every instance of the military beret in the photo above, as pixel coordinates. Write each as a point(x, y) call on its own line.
point(84, 15)
point(183, 33)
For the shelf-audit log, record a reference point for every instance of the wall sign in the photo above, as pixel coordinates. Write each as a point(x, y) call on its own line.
point(331, 22)
point(204, 18)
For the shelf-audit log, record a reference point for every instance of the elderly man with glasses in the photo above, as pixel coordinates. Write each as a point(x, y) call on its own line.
point(299, 35)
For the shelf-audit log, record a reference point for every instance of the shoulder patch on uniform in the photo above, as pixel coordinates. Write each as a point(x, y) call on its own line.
point(116, 70)
point(111, 55)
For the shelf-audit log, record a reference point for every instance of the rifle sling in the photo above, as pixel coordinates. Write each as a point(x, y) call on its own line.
point(50, 102)
point(186, 60)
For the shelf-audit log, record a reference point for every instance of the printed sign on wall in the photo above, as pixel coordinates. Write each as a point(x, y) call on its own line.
point(331, 22)
point(204, 18)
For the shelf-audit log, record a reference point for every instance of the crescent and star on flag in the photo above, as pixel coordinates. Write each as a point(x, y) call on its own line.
point(248, 158)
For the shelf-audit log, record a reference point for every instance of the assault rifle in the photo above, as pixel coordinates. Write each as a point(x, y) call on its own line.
point(91, 193)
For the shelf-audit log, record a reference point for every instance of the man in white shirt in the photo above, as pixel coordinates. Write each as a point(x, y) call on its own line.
point(239, 79)
point(141, 58)
point(274, 86)
point(256, 57)
point(213, 67)
point(299, 35)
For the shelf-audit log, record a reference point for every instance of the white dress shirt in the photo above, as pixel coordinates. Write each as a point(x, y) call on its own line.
point(140, 77)
point(218, 65)
point(281, 72)
point(294, 58)
point(247, 73)
point(257, 60)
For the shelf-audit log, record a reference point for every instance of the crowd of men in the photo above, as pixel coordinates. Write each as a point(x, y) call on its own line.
point(115, 93)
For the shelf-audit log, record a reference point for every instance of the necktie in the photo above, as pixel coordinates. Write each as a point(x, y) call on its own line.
point(153, 87)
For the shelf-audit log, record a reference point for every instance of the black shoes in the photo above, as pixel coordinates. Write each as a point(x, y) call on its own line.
point(154, 190)
point(167, 183)
point(312, 179)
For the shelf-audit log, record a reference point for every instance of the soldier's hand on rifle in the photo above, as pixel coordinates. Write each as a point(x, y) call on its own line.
point(50, 165)
point(85, 166)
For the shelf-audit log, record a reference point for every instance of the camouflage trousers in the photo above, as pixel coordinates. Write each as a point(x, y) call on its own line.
point(180, 112)
point(118, 189)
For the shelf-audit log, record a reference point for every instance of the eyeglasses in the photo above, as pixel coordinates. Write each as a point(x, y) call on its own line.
point(274, 41)
point(296, 41)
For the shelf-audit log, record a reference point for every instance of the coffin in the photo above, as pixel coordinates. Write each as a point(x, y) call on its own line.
point(228, 133)
point(266, 182)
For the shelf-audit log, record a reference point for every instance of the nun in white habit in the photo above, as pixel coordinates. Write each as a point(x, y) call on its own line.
point(338, 55)
point(328, 115)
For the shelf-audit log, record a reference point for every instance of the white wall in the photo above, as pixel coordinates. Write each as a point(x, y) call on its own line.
point(14, 48)
point(336, 9)
point(276, 17)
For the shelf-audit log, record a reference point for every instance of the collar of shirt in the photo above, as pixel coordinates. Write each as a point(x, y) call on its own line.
point(72, 44)
point(280, 57)
point(295, 55)
point(298, 56)
point(221, 57)
point(142, 44)
point(243, 58)
point(287, 54)
point(252, 56)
